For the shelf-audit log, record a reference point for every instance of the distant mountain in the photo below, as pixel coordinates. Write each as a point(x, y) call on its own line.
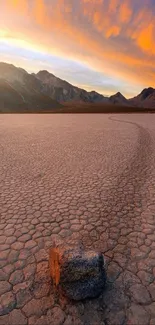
point(118, 99)
point(21, 91)
point(63, 91)
point(41, 92)
point(145, 99)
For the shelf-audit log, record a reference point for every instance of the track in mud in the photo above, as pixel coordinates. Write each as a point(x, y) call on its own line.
point(72, 177)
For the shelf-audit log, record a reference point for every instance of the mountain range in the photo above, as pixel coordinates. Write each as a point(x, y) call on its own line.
point(21, 91)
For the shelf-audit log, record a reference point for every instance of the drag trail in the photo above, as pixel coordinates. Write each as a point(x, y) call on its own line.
point(71, 177)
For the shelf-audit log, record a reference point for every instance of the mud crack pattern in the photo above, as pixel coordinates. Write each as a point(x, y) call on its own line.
point(71, 177)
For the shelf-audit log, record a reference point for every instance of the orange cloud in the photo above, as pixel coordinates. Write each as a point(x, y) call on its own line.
point(89, 7)
point(113, 31)
point(96, 2)
point(125, 12)
point(146, 38)
point(21, 6)
point(142, 31)
point(100, 24)
point(96, 41)
point(97, 18)
point(113, 5)
point(40, 12)
point(110, 20)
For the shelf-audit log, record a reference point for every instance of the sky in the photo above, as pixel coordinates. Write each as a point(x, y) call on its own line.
point(102, 45)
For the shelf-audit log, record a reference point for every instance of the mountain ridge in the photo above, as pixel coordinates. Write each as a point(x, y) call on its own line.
point(20, 90)
point(45, 91)
point(64, 91)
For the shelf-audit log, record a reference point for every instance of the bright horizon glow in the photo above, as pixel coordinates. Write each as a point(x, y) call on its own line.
point(72, 40)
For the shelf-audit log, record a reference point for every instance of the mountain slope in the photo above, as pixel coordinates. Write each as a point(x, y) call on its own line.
point(118, 99)
point(63, 91)
point(145, 99)
point(41, 92)
point(21, 91)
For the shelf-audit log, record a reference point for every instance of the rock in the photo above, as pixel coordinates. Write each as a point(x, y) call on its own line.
point(79, 274)
point(91, 287)
point(69, 320)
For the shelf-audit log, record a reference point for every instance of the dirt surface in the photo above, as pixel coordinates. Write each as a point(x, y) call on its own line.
point(87, 177)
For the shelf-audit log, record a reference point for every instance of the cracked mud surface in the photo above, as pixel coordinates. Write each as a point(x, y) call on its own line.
point(89, 177)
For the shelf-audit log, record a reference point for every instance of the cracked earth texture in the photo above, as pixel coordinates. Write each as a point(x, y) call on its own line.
point(89, 177)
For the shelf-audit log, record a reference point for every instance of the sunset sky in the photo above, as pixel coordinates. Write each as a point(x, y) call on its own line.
point(102, 45)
